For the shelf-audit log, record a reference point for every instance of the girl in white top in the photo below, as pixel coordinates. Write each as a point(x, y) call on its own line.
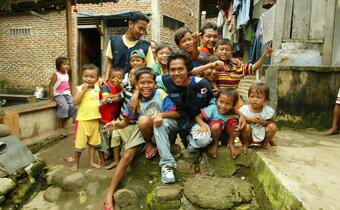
point(260, 128)
point(59, 91)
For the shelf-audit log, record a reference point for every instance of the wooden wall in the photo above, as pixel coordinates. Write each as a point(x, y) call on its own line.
point(308, 21)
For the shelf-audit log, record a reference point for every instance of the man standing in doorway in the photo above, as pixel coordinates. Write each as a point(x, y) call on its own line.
point(120, 47)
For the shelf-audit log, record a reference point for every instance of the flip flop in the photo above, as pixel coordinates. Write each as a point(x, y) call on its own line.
point(150, 152)
point(111, 166)
point(69, 159)
point(99, 162)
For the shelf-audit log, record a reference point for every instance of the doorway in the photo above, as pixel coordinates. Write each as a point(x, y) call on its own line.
point(88, 47)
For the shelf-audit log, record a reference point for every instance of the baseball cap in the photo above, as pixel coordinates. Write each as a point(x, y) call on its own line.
point(140, 53)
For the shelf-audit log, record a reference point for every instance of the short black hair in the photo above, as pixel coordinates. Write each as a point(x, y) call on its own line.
point(228, 92)
point(153, 41)
point(180, 54)
point(145, 70)
point(180, 33)
point(117, 68)
point(138, 15)
point(161, 46)
point(209, 59)
point(260, 88)
point(90, 66)
point(224, 42)
point(60, 61)
point(208, 25)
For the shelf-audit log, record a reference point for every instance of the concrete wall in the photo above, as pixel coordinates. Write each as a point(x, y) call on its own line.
point(31, 119)
point(34, 123)
point(303, 97)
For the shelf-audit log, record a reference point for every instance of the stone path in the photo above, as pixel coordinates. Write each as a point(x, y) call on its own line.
point(303, 173)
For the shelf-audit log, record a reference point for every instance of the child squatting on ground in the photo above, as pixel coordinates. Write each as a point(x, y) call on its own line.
point(87, 123)
point(152, 102)
point(222, 124)
point(260, 127)
point(109, 109)
point(156, 117)
point(59, 91)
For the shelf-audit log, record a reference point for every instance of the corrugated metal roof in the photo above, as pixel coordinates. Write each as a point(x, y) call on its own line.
point(6, 5)
point(123, 15)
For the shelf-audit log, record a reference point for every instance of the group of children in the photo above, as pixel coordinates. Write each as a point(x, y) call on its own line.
point(131, 104)
point(130, 112)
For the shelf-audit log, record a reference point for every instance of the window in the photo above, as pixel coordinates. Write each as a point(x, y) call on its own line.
point(171, 23)
point(210, 7)
point(20, 31)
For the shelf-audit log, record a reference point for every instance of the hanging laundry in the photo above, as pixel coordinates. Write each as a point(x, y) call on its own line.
point(243, 13)
point(236, 6)
point(226, 22)
point(220, 19)
point(249, 33)
point(257, 46)
point(228, 27)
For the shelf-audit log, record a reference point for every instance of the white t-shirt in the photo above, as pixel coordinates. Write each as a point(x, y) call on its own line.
point(258, 131)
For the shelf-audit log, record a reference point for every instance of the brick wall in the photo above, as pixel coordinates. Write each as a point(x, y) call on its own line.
point(244, 85)
point(29, 60)
point(119, 7)
point(184, 11)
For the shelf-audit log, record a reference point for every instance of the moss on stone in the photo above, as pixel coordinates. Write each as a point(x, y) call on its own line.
point(149, 200)
point(270, 193)
point(23, 192)
point(37, 169)
point(169, 205)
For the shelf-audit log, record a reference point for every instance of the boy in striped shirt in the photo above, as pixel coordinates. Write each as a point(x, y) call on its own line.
point(231, 73)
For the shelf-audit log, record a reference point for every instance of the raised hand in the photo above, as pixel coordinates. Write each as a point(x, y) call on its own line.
point(85, 87)
point(218, 63)
point(267, 52)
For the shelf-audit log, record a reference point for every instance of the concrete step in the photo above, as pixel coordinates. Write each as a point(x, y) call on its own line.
point(303, 172)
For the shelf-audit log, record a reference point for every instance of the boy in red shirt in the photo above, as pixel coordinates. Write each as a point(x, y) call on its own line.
point(109, 108)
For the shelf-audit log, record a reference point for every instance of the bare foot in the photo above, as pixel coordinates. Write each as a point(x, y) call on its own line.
point(108, 202)
point(74, 167)
point(268, 147)
point(100, 162)
point(64, 122)
point(95, 165)
point(331, 131)
point(235, 152)
point(69, 159)
point(244, 149)
point(272, 143)
point(212, 152)
point(112, 165)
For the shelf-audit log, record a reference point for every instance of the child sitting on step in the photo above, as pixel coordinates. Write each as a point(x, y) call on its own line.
point(59, 91)
point(260, 127)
